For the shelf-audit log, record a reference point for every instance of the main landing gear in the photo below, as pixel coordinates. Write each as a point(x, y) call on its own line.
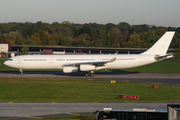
point(89, 73)
point(21, 71)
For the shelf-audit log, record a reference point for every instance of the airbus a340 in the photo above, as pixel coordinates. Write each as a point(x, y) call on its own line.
point(89, 62)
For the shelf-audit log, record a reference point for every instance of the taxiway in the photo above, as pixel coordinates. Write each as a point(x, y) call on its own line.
point(160, 78)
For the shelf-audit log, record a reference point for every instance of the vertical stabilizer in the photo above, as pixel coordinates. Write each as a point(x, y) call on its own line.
point(162, 45)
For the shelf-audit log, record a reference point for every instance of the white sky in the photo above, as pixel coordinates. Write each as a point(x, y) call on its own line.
point(153, 12)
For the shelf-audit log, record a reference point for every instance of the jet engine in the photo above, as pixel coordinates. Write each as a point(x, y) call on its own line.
point(87, 67)
point(69, 69)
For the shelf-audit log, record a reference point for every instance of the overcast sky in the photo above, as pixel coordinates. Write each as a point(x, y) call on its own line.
point(153, 12)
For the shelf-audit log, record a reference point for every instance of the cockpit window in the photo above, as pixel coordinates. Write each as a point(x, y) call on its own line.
point(9, 59)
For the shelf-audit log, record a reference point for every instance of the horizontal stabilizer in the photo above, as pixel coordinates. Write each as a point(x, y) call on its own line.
point(112, 60)
point(162, 57)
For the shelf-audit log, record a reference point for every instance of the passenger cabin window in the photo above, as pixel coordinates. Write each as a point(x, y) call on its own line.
point(34, 59)
point(9, 59)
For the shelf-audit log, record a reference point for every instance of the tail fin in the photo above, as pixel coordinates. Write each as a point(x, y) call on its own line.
point(162, 45)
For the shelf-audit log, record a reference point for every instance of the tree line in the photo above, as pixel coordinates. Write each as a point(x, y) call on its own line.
point(88, 35)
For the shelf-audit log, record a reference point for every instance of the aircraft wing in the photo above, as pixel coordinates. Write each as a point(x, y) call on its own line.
point(96, 63)
point(161, 57)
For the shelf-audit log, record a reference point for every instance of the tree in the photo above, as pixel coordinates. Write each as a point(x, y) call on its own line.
point(135, 41)
point(67, 41)
point(153, 34)
point(66, 23)
point(13, 37)
point(124, 38)
point(39, 25)
point(4, 35)
point(1, 37)
point(55, 23)
point(20, 41)
point(160, 31)
point(179, 48)
point(123, 26)
point(81, 42)
point(28, 42)
point(87, 30)
point(85, 37)
point(146, 38)
point(43, 36)
point(36, 39)
point(24, 49)
point(108, 26)
point(157, 34)
point(54, 39)
point(115, 34)
point(34, 29)
point(75, 32)
point(107, 40)
point(101, 34)
point(124, 44)
point(66, 31)
point(89, 34)
point(98, 43)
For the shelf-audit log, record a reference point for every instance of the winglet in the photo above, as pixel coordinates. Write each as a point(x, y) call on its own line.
point(112, 60)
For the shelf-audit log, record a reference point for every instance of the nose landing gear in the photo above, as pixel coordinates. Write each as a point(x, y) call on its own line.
point(21, 71)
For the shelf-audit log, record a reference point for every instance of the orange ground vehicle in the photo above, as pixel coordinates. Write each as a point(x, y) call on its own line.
point(2, 55)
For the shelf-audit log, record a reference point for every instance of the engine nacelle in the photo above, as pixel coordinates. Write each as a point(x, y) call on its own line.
point(69, 69)
point(87, 67)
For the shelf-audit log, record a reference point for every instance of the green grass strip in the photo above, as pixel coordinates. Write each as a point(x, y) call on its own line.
point(57, 90)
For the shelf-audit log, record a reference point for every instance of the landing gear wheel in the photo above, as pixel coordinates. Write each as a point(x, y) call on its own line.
point(21, 71)
point(86, 74)
point(91, 74)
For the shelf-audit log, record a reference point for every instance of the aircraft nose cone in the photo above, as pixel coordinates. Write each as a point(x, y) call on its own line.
point(6, 63)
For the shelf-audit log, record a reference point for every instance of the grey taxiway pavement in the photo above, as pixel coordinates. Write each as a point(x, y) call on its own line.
point(40, 110)
point(162, 78)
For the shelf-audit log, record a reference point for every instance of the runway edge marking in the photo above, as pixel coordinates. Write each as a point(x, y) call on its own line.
point(72, 114)
point(33, 117)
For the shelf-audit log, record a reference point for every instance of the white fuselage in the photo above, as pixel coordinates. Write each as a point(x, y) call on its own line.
point(58, 61)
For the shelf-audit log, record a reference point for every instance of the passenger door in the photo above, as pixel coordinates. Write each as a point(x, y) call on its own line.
point(50, 60)
point(19, 60)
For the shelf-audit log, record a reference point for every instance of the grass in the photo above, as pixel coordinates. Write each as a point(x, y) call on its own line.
point(159, 67)
point(4, 67)
point(56, 90)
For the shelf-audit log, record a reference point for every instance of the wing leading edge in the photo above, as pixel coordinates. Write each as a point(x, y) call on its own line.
point(96, 63)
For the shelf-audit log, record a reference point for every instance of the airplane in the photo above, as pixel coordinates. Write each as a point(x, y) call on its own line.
point(89, 63)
